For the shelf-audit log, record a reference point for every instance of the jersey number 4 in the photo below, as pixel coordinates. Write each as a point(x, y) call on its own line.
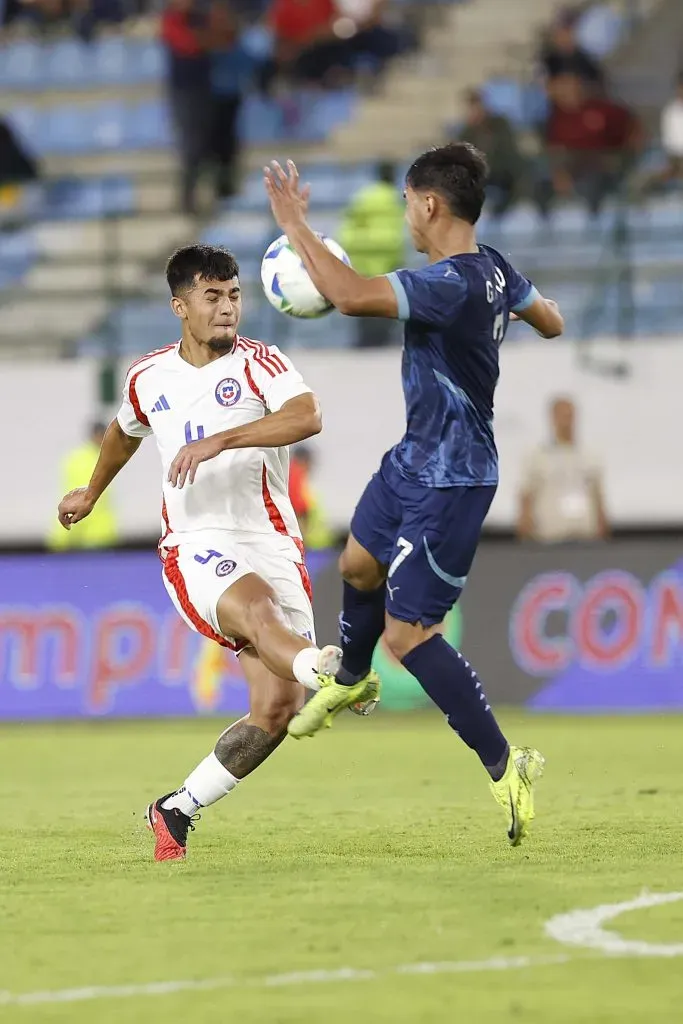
point(188, 433)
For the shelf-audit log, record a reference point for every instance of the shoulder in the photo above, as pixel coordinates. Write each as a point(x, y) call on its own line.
point(147, 361)
point(267, 357)
point(493, 254)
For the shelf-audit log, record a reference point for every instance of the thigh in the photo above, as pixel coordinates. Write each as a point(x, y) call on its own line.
point(378, 514)
point(291, 584)
point(434, 550)
point(196, 578)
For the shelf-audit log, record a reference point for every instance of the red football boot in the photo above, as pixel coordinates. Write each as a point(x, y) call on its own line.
point(170, 827)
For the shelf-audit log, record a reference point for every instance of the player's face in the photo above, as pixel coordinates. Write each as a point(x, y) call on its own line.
point(212, 311)
point(418, 216)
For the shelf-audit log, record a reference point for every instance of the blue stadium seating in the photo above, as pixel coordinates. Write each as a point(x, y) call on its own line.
point(114, 124)
point(85, 198)
point(18, 252)
point(524, 105)
point(72, 64)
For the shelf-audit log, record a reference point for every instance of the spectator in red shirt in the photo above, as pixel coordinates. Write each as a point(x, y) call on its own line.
point(590, 140)
point(305, 43)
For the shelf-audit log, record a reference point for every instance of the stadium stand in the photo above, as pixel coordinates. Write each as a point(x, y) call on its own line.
point(95, 116)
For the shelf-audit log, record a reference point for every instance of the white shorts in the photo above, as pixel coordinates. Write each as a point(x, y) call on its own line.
point(196, 577)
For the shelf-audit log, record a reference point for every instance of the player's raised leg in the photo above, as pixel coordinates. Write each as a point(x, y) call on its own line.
point(364, 564)
point(238, 751)
point(250, 609)
point(361, 624)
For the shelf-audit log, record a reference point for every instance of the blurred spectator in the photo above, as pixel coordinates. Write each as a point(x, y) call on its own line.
point(17, 167)
point(494, 136)
point(305, 501)
point(372, 232)
point(322, 41)
point(305, 43)
point(99, 530)
point(561, 496)
point(232, 70)
point(591, 143)
point(672, 134)
point(371, 40)
point(184, 31)
point(562, 55)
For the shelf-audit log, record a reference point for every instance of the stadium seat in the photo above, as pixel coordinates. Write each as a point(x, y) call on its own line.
point(524, 105)
point(22, 65)
point(82, 198)
point(148, 126)
point(18, 251)
point(28, 122)
point(67, 64)
point(601, 29)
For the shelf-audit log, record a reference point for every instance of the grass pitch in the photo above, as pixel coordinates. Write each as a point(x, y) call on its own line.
point(371, 846)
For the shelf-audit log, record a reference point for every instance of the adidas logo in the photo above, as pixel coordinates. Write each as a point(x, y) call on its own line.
point(161, 404)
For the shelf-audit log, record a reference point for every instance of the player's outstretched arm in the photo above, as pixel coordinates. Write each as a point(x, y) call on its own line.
point(298, 419)
point(117, 448)
point(544, 316)
point(347, 290)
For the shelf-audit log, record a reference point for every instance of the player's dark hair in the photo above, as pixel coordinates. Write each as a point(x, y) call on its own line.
point(458, 172)
point(210, 262)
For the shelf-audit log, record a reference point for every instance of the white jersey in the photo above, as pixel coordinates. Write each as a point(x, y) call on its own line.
point(244, 490)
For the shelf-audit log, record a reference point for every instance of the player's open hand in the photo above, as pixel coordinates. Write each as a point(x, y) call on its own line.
point(74, 506)
point(190, 456)
point(288, 200)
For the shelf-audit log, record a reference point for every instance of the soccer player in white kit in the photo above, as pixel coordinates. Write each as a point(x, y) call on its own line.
point(223, 410)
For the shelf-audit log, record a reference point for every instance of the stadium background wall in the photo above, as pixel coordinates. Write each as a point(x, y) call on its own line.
point(567, 629)
point(637, 440)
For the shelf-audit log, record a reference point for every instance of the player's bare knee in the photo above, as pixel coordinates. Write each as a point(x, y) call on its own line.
point(361, 574)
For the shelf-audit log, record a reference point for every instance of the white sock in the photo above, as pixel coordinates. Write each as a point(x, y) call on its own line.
point(305, 667)
point(209, 782)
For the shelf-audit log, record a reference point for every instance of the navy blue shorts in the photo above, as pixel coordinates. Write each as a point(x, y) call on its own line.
point(426, 536)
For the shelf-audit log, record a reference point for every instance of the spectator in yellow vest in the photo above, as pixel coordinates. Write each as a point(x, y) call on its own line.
point(372, 232)
point(99, 530)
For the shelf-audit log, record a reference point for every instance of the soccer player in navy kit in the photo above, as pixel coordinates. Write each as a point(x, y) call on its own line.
point(416, 527)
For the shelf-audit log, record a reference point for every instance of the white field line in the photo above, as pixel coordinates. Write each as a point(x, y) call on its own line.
point(162, 988)
point(577, 928)
point(584, 928)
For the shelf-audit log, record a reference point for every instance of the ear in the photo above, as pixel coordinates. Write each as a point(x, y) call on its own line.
point(430, 205)
point(178, 307)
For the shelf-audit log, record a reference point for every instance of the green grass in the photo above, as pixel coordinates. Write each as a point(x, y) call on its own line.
point(374, 845)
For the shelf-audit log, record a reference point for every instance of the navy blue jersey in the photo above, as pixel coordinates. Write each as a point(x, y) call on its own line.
point(456, 313)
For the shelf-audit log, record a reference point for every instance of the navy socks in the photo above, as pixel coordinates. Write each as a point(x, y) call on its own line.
point(361, 624)
point(455, 688)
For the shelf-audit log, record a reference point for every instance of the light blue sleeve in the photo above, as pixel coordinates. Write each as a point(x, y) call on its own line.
point(531, 297)
point(401, 297)
point(431, 295)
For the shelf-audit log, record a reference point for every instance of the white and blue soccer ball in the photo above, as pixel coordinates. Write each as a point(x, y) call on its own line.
point(286, 282)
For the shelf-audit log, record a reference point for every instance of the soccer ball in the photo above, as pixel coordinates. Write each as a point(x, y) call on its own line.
point(286, 283)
